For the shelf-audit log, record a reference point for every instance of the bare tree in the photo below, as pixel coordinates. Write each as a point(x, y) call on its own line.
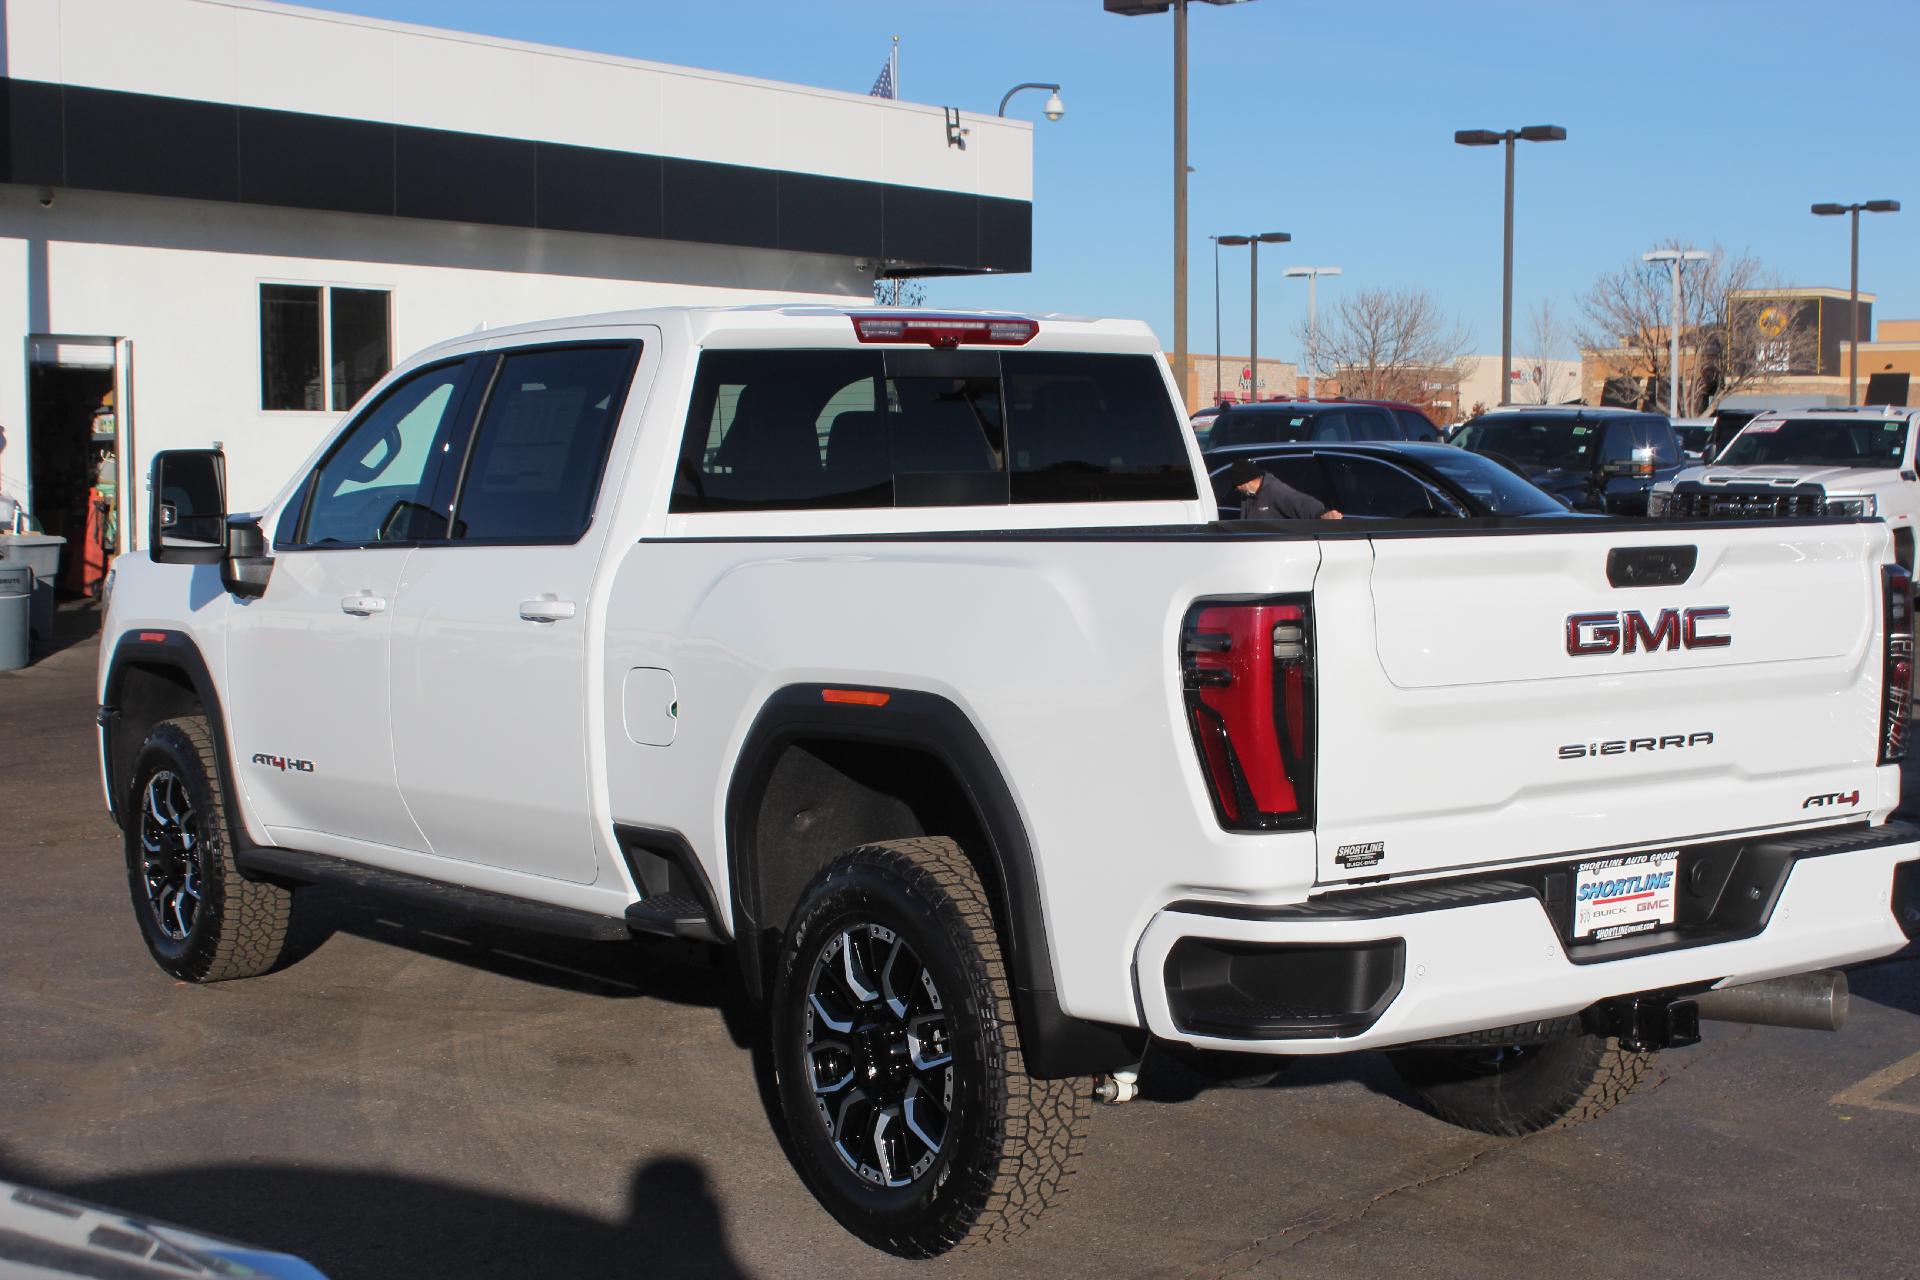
point(1389, 344)
point(896, 291)
point(1730, 339)
point(1548, 343)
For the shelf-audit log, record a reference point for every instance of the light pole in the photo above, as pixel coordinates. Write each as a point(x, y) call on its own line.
point(1673, 258)
point(1486, 138)
point(1053, 109)
point(1139, 8)
point(1253, 244)
point(1313, 275)
point(1853, 283)
point(1216, 319)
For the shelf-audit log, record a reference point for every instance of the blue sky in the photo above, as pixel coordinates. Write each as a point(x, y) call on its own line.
point(1711, 120)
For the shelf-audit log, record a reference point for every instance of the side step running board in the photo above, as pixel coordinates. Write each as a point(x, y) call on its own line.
point(538, 917)
point(672, 915)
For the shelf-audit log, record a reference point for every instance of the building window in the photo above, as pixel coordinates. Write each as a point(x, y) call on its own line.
point(321, 348)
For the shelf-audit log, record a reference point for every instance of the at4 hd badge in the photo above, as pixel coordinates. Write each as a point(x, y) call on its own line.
point(283, 763)
point(1355, 856)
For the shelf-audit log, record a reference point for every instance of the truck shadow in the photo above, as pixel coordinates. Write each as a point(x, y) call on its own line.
point(679, 973)
point(1175, 1074)
point(352, 1223)
point(1893, 982)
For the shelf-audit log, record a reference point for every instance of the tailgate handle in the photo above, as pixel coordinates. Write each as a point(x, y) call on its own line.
point(1650, 566)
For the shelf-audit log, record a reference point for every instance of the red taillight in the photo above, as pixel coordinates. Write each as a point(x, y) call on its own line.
point(1896, 693)
point(946, 331)
point(1247, 670)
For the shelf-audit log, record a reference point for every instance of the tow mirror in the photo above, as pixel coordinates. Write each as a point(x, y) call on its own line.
point(188, 514)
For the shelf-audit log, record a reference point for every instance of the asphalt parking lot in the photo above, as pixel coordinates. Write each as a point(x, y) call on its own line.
point(421, 1097)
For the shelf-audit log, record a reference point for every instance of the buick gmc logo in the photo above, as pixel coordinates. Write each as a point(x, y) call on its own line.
point(1629, 631)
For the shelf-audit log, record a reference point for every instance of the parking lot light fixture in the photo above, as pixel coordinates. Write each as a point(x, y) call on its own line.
point(1487, 138)
point(1853, 283)
point(1674, 258)
point(1253, 243)
point(1313, 275)
point(1137, 9)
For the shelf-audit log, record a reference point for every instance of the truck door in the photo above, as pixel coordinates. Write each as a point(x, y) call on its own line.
point(307, 662)
point(491, 632)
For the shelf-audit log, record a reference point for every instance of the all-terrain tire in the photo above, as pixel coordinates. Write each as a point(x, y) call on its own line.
point(1512, 1090)
point(910, 923)
point(202, 920)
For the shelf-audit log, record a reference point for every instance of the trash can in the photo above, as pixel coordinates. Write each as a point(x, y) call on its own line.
point(39, 552)
point(16, 615)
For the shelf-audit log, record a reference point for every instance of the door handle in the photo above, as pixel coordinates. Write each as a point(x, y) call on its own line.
point(546, 608)
point(362, 605)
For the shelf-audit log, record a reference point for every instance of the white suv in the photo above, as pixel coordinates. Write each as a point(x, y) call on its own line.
point(1808, 462)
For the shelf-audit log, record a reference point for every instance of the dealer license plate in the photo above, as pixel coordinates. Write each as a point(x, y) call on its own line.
point(1631, 894)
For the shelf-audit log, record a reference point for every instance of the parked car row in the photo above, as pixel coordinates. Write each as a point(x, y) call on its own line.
point(1374, 462)
point(1530, 461)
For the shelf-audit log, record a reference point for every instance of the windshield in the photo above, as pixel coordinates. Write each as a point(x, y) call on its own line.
point(1494, 487)
point(1534, 443)
point(1818, 442)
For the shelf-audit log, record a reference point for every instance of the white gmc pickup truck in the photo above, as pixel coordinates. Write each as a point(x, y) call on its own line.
point(901, 652)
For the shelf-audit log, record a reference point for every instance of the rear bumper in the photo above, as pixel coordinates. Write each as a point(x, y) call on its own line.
point(1374, 969)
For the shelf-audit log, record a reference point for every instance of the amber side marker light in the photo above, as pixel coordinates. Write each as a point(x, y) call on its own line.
point(856, 697)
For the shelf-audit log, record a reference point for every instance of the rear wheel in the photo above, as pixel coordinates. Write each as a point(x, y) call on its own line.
point(898, 1061)
point(1515, 1089)
point(201, 919)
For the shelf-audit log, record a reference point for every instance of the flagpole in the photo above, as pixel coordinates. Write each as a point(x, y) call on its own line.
point(895, 56)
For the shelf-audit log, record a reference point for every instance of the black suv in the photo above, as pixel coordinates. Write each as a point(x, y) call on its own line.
point(1300, 421)
point(1596, 459)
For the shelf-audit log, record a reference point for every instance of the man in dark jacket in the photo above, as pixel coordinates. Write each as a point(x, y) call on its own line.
point(1265, 497)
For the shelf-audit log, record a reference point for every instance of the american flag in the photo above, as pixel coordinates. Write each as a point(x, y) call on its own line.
point(883, 86)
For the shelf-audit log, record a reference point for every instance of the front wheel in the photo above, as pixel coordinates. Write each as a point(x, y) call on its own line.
point(898, 1061)
point(1516, 1089)
point(202, 920)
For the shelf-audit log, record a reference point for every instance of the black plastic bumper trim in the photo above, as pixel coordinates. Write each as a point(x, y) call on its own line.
point(1728, 891)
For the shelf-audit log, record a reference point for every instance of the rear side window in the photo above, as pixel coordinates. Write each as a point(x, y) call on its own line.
point(1331, 426)
point(1415, 425)
point(1369, 487)
point(807, 430)
point(542, 443)
point(1373, 424)
point(1658, 439)
point(1621, 441)
point(1300, 471)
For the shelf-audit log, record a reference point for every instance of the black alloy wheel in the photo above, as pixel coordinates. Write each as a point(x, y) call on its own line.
point(897, 1057)
point(880, 1061)
point(201, 918)
point(170, 843)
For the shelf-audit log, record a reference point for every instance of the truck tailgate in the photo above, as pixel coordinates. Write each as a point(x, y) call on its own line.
point(1487, 698)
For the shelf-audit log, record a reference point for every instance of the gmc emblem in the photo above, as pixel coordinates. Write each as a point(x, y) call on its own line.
point(1629, 632)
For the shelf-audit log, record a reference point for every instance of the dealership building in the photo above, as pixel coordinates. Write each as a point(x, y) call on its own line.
point(223, 220)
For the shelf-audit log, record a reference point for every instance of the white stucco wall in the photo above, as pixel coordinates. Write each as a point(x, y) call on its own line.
point(291, 59)
point(181, 280)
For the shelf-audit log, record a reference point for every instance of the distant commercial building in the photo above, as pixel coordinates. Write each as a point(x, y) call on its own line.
point(224, 220)
point(1235, 381)
point(1533, 382)
point(1786, 342)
